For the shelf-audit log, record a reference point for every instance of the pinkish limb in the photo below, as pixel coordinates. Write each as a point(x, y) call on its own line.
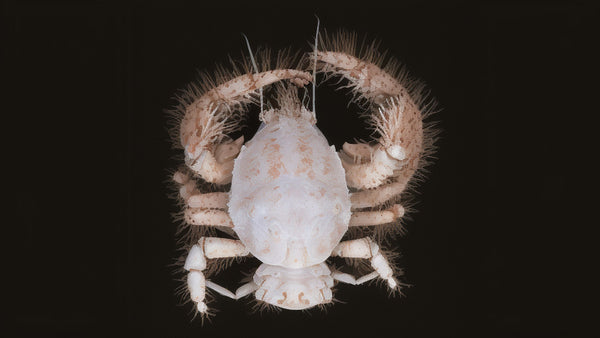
point(203, 131)
point(396, 118)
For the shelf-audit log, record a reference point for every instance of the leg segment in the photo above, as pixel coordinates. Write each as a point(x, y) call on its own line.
point(365, 218)
point(349, 279)
point(368, 249)
point(203, 209)
point(241, 292)
point(374, 197)
point(198, 216)
point(188, 191)
point(213, 200)
point(195, 263)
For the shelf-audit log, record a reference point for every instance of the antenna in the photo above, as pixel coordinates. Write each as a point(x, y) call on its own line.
point(256, 71)
point(314, 84)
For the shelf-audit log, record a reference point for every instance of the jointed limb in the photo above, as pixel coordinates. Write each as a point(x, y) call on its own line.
point(212, 200)
point(396, 117)
point(370, 172)
point(377, 196)
point(365, 218)
point(195, 263)
point(397, 152)
point(216, 166)
point(188, 191)
point(203, 209)
point(198, 216)
point(208, 119)
point(241, 292)
point(364, 248)
point(349, 279)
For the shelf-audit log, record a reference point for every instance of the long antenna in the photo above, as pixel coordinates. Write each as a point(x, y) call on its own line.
point(314, 86)
point(255, 70)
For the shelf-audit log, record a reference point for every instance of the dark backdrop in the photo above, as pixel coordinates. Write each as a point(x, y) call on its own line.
point(486, 254)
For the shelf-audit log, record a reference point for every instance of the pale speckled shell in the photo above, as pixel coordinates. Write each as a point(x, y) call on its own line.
point(289, 201)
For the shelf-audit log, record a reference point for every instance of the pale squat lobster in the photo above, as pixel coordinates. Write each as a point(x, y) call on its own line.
point(289, 204)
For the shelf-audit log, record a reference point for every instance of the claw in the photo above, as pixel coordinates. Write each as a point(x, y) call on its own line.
point(216, 167)
point(211, 117)
point(229, 150)
point(360, 152)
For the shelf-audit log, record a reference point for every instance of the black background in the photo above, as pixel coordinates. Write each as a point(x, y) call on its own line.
point(487, 253)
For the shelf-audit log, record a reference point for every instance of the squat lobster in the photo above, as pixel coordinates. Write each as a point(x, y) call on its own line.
point(289, 204)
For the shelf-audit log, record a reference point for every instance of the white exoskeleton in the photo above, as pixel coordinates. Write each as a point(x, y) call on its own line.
point(293, 198)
